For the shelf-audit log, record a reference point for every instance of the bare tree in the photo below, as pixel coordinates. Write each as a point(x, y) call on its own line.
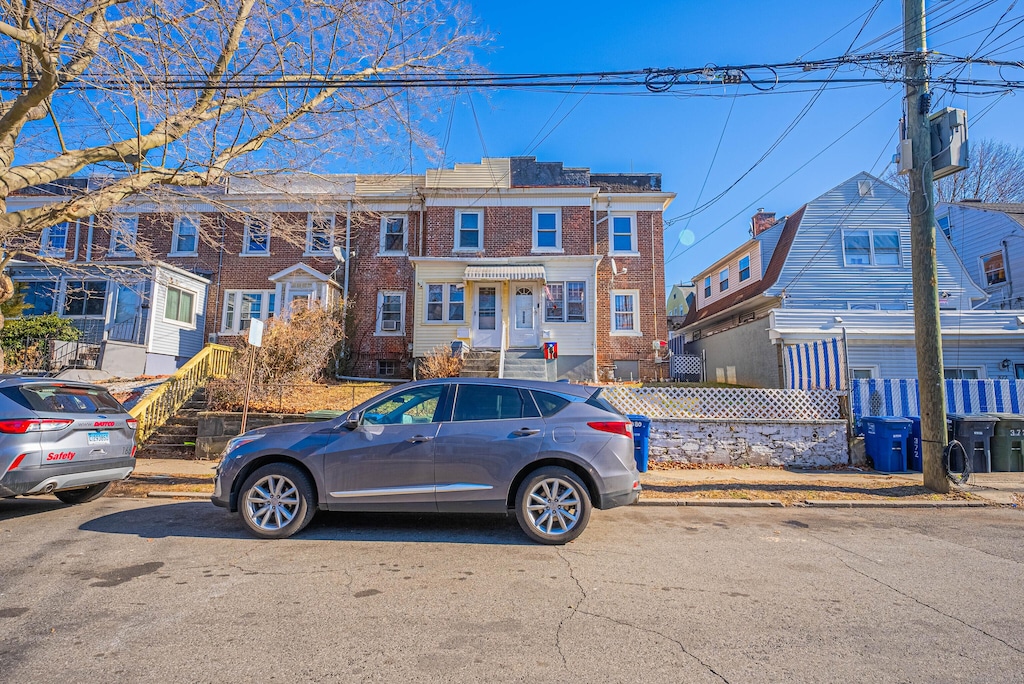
point(178, 93)
point(995, 174)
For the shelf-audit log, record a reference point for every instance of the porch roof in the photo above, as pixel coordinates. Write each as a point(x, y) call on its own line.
point(505, 272)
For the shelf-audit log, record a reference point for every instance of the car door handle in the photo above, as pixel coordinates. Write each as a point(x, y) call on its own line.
point(419, 439)
point(525, 432)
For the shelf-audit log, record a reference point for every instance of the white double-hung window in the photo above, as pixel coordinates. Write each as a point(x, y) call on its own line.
point(256, 237)
point(871, 247)
point(123, 229)
point(391, 312)
point(185, 239)
point(446, 303)
point(393, 235)
point(54, 240)
point(622, 234)
point(547, 230)
point(469, 231)
point(319, 233)
point(240, 307)
point(625, 312)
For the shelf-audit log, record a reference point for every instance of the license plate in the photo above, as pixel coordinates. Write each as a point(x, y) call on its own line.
point(99, 438)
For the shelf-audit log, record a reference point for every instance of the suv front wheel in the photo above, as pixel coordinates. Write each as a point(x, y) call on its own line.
point(553, 505)
point(276, 501)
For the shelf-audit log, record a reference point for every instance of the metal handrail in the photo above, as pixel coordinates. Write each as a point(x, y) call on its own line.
point(504, 346)
point(157, 408)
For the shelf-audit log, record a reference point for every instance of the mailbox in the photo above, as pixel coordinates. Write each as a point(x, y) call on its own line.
point(550, 350)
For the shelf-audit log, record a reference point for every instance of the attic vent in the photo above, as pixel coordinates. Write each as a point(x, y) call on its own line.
point(865, 189)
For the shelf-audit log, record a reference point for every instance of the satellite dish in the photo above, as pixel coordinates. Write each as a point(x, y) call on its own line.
point(339, 255)
point(615, 269)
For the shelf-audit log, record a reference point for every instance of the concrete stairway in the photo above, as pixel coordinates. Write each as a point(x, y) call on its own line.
point(177, 437)
point(481, 364)
point(525, 364)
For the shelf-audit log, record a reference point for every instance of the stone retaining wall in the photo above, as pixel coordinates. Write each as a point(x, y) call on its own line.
point(728, 442)
point(216, 428)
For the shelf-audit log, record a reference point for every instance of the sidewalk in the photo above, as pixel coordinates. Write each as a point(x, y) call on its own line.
point(733, 486)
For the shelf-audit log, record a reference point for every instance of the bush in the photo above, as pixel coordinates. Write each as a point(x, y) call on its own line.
point(50, 326)
point(439, 363)
point(296, 350)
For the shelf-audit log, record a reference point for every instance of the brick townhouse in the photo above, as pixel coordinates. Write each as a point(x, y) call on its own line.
point(504, 255)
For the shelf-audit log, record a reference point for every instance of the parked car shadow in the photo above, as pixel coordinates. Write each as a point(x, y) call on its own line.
point(22, 506)
point(203, 520)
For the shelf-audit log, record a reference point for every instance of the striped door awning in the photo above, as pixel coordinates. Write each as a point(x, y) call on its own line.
point(506, 272)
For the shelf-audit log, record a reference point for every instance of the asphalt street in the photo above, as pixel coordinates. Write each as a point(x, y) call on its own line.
point(141, 591)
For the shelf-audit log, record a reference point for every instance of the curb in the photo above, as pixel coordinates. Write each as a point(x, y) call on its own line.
point(721, 503)
point(179, 495)
point(868, 503)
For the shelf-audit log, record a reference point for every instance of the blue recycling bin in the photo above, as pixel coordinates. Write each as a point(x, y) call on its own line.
point(885, 440)
point(914, 445)
point(641, 441)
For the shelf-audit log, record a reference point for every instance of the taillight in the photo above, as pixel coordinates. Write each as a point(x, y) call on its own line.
point(20, 427)
point(133, 423)
point(616, 427)
point(16, 462)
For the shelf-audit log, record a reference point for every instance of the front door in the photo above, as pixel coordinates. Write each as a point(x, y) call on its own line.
point(388, 461)
point(487, 317)
point(524, 326)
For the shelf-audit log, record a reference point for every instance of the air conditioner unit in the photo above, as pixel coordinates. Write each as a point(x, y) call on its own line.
point(212, 338)
point(389, 326)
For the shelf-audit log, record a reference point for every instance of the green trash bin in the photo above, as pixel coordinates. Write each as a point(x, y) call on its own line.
point(1008, 443)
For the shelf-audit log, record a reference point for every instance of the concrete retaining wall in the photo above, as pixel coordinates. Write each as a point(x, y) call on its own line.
point(216, 428)
point(785, 443)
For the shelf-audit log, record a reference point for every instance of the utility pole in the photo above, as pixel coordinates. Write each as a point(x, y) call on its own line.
point(927, 327)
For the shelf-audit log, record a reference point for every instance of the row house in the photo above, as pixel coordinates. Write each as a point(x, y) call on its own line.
point(504, 256)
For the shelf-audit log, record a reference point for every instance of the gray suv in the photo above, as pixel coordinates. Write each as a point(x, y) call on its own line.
point(68, 438)
point(547, 451)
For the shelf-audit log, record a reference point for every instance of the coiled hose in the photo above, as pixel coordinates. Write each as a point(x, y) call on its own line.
point(961, 478)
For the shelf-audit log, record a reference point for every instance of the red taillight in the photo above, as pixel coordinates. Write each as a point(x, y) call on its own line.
point(132, 423)
point(16, 462)
point(20, 427)
point(616, 427)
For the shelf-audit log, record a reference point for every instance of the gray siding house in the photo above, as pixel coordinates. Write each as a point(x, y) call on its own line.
point(840, 266)
point(135, 318)
point(990, 241)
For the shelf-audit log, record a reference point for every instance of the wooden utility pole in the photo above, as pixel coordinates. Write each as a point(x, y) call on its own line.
point(927, 327)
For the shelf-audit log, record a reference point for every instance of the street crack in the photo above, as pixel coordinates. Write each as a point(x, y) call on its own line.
point(666, 637)
point(573, 608)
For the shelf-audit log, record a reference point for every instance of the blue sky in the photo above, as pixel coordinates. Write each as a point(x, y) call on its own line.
point(677, 135)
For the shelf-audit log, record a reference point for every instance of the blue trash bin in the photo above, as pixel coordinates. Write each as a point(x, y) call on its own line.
point(885, 441)
point(914, 445)
point(641, 441)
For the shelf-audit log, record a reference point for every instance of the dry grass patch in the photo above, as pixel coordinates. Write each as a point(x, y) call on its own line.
point(139, 486)
point(301, 398)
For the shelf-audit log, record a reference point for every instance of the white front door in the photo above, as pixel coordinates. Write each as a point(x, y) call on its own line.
point(487, 317)
point(524, 306)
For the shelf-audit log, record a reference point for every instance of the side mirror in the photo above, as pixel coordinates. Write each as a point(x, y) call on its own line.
point(352, 419)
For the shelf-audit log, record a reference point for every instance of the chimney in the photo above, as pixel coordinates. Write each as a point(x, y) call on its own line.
point(762, 221)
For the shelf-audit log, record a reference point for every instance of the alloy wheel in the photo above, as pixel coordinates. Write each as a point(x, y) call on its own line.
point(272, 502)
point(553, 506)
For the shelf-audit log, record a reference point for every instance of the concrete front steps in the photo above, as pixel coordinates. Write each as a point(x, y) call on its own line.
point(480, 364)
point(525, 364)
point(177, 437)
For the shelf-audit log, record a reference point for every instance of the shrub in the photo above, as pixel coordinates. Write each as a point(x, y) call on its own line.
point(51, 326)
point(296, 351)
point(439, 363)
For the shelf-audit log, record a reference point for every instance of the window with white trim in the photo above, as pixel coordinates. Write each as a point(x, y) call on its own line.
point(391, 312)
point(547, 230)
point(707, 287)
point(54, 241)
point(565, 302)
point(179, 305)
point(944, 225)
point(961, 373)
point(123, 230)
point(241, 306)
point(864, 373)
point(85, 297)
point(871, 247)
point(745, 268)
point(469, 231)
point(993, 268)
point(387, 368)
point(319, 233)
point(393, 234)
point(185, 240)
point(622, 233)
point(723, 280)
point(37, 296)
point(625, 312)
point(446, 303)
point(256, 238)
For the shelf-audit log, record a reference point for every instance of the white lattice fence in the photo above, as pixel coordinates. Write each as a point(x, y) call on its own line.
point(666, 403)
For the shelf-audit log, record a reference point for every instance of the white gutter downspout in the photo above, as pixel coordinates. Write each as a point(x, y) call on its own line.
point(596, 263)
point(78, 239)
point(88, 245)
point(348, 259)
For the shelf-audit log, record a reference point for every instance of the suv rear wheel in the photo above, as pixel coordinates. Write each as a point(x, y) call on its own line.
point(83, 495)
point(553, 505)
point(276, 501)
